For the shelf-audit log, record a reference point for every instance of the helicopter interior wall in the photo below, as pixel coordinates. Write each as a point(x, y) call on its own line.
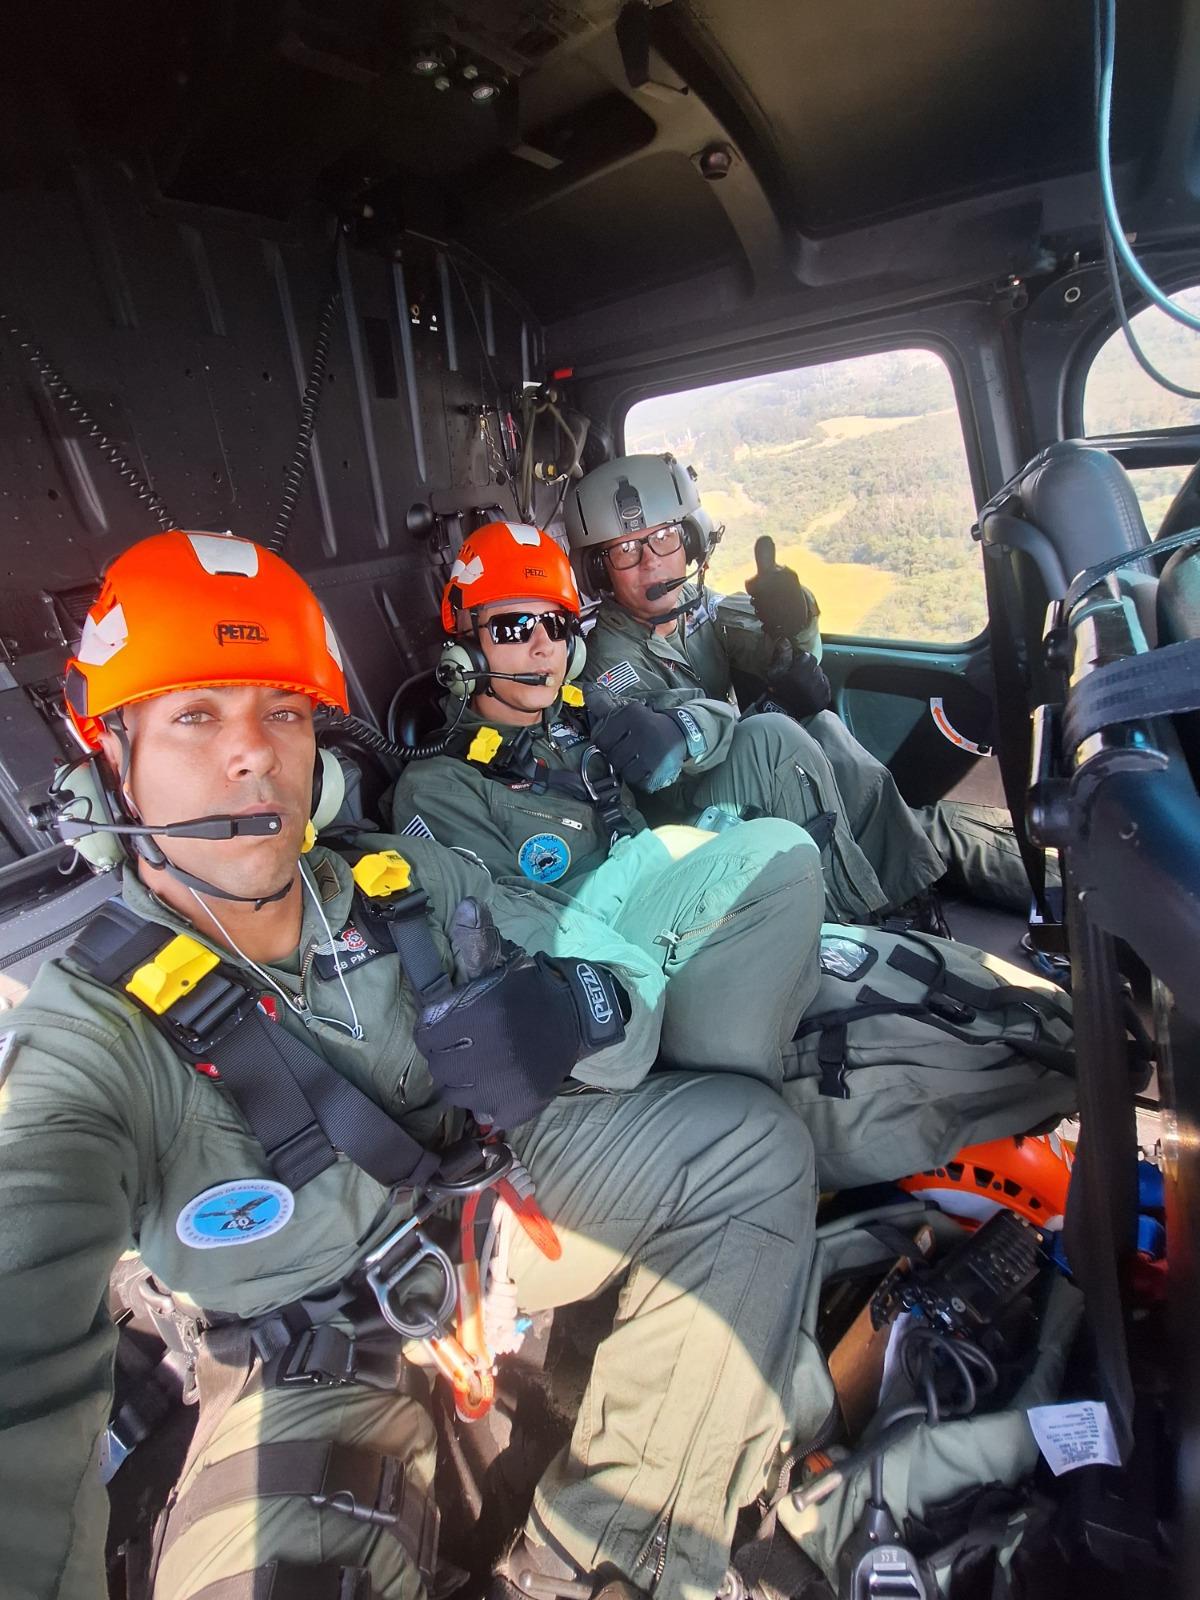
point(187, 335)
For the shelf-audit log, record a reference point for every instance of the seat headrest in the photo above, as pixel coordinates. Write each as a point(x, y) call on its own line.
point(1184, 511)
point(416, 713)
point(1083, 501)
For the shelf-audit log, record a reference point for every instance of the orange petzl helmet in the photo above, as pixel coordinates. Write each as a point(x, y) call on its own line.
point(199, 610)
point(1029, 1174)
point(509, 561)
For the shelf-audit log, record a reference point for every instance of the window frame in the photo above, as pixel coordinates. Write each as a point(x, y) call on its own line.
point(1123, 444)
point(828, 355)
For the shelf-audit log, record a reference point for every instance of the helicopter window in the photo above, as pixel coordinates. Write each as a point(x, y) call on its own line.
point(1119, 398)
point(857, 469)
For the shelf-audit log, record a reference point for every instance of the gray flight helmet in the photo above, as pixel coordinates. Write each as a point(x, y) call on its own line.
point(628, 495)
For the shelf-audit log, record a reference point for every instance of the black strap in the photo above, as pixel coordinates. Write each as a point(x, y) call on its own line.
point(401, 920)
point(1090, 576)
point(831, 1058)
point(296, 1468)
point(933, 972)
point(1161, 683)
point(284, 1580)
point(1013, 718)
point(262, 1064)
point(298, 1106)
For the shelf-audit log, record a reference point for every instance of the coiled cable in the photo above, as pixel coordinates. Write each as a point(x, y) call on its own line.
point(61, 392)
point(297, 469)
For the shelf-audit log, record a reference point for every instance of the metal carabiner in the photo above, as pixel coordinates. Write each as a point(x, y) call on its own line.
point(498, 1162)
point(383, 1280)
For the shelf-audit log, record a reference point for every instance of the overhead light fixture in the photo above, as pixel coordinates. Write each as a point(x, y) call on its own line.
point(441, 84)
point(483, 92)
point(427, 63)
point(470, 72)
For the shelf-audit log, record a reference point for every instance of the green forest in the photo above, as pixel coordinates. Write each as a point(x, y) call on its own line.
point(857, 470)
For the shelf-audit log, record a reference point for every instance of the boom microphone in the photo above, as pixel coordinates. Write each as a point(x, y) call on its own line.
point(537, 678)
point(658, 591)
point(217, 827)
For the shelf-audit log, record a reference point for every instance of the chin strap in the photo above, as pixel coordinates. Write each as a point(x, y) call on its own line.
point(154, 857)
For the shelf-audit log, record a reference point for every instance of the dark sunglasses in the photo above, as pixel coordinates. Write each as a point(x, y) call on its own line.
point(516, 627)
point(629, 553)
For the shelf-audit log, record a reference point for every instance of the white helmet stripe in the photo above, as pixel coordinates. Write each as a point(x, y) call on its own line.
point(102, 640)
point(221, 553)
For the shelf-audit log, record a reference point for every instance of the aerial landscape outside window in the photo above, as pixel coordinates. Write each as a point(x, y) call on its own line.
point(857, 470)
point(1120, 398)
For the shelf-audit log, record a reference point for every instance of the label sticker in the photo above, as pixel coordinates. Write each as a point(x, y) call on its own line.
point(1079, 1435)
point(937, 710)
point(696, 742)
point(619, 678)
point(544, 857)
point(845, 958)
point(7, 1040)
point(597, 997)
point(349, 949)
point(240, 1212)
point(564, 735)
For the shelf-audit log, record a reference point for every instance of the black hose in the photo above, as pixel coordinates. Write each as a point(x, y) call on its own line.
point(297, 470)
point(61, 391)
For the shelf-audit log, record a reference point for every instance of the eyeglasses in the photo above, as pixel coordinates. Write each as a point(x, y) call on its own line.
point(628, 552)
point(516, 627)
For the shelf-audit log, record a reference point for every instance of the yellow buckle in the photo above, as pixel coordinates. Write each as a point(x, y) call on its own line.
point(484, 745)
point(382, 873)
point(177, 968)
point(572, 694)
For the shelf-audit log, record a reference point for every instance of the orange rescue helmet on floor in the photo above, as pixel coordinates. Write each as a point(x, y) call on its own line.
point(199, 610)
point(508, 561)
point(1030, 1174)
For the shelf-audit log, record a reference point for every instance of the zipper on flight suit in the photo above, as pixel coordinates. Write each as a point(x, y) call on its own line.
point(656, 1547)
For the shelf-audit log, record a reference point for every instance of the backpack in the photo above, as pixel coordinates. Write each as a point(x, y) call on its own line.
point(956, 1491)
point(916, 1046)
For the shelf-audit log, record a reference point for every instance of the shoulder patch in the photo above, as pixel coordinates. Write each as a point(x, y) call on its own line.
point(416, 828)
point(544, 857)
point(619, 678)
point(240, 1212)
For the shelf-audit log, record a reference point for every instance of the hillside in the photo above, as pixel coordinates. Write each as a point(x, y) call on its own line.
point(857, 470)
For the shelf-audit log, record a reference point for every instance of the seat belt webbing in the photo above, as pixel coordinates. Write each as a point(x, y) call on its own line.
point(1163, 683)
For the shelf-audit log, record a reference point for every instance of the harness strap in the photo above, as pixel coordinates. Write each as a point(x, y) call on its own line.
point(1164, 683)
point(933, 972)
point(283, 1580)
point(298, 1106)
point(831, 1057)
point(401, 921)
point(362, 1484)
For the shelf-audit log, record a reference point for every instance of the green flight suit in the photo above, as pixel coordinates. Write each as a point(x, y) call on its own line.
point(743, 908)
point(700, 1188)
point(909, 849)
point(885, 858)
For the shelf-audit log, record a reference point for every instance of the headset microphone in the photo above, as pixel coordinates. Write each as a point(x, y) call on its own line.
point(537, 678)
point(657, 591)
point(49, 816)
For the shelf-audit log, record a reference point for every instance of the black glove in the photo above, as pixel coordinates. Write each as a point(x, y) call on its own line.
point(795, 679)
point(781, 602)
point(646, 748)
point(501, 1045)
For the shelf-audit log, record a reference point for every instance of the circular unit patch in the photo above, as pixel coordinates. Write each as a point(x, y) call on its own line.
point(240, 1212)
point(544, 857)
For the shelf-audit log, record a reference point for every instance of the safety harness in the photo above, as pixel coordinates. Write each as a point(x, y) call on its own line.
point(513, 762)
point(303, 1113)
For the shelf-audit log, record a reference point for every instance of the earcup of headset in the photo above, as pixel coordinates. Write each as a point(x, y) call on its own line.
point(695, 540)
point(84, 791)
point(329, 789)
point(462, 668)
point(595, 572)
point(576, 656)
